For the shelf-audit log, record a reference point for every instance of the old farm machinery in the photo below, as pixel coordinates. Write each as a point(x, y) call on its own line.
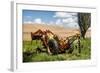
point(53, 44)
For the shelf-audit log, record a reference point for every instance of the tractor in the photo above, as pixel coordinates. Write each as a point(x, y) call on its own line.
point(53, 44)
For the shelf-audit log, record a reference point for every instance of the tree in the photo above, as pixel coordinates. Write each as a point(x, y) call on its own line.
point(84, 21)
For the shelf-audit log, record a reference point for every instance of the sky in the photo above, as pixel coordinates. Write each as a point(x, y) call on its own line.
point(62, 19)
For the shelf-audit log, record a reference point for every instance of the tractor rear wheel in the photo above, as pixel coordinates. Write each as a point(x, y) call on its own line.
point(53, 46)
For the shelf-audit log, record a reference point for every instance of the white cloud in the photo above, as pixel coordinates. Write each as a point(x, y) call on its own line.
point(28, 22)
point(51, 23)
point(68, 20)
point(58, 21)
point(61, 14)
point(72, 25)
point(75, 19)
point(63, 19)
point(28, 17)
point(64, 14)
point(38, 20)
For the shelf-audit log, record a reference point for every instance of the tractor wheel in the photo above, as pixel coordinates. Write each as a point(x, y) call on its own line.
point(53, 46)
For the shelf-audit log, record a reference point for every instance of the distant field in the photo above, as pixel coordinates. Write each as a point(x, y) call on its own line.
point(59, 31)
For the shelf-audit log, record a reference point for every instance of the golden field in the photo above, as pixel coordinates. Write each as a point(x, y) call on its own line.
point(61, 32)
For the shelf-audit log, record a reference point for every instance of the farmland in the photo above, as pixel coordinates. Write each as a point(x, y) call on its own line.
point(30, 53)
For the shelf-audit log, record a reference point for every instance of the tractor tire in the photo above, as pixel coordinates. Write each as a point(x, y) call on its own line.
point(53, 46)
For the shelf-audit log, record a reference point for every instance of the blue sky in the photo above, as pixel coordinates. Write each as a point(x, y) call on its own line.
point(63, 19)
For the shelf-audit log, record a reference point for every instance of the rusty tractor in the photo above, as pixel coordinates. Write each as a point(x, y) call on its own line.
point(53, 44)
